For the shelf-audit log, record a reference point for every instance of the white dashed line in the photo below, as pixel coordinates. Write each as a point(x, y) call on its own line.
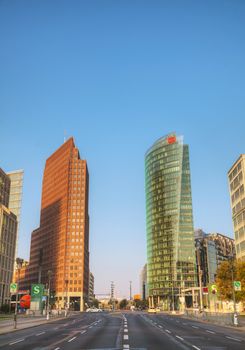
point(210, 331)
point(233, 339)
point(166, 330)
point(195, 327)
point(17, 341)
point(195, 347)
point(37, 335)
point(125, 330)
point(126, 346)
point(57, 349)
point(159, 326)
point(83, 332)
point(56, 328)
point(71, 339)
point(179, 337)
point(125, 337)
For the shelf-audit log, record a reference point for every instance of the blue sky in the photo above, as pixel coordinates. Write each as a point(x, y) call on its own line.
point(117, 75)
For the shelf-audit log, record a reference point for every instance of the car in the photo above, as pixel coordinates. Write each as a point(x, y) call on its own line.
point(93, 309)
point(152, 310)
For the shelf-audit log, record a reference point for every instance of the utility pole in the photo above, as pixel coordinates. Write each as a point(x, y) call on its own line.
point(130, 290)
point(112, 295)
point(200, 279)
point(48, 296)
point(235, 318)
point(66, 304)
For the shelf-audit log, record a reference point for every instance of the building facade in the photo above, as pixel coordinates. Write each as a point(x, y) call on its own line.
point(8, 233)
point(143, 283)
point(171, 263)
point(236, 178)
point(15, 197)
point(61, 243)
point(91, 288)
point(211, 250)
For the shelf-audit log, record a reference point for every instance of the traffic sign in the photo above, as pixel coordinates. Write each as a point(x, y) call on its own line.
point(237, 286)
point(13, 288)
point(214, 289)
point(37, 290)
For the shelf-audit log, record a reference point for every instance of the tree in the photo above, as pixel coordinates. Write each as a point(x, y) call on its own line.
point(224, 280)
point(123, 303)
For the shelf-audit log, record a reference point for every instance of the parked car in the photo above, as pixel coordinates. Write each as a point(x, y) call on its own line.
point(93, 309)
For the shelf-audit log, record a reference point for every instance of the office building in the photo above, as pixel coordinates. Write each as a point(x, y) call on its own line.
point(15, 197)
point(211, 250)
point(8, 232)
point(91, 288)
point(236, 177)
point(171, 264)
point(143, 283)
point(61, 243)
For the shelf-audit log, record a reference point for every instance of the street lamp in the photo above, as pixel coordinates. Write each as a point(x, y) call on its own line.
point(48, 296)
point(66, 304)
point(19, 263)
point(235, 318)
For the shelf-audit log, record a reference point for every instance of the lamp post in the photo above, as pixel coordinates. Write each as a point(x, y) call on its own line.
point(66, 304)
point(19, 263)
point(130, 290)
point(235, 318)
point(48, 296)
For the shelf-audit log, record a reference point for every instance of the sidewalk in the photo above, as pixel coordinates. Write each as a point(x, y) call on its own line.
point(23, 322)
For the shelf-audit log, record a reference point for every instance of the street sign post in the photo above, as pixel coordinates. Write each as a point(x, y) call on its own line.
point(237, 286)
point(13, 288)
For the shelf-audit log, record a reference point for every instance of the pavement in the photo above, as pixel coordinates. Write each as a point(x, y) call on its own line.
point(7, 325)
point(124, 330)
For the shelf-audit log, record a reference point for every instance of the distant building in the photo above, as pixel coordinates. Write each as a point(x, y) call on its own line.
point(8, 233)
point(236, 177)
point(61, 243)
point(211, 250)
point(91, 288)
point(171, 263)
point(15, 198)
point(143, 283)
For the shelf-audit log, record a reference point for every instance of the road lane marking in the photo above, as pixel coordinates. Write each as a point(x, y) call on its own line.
point(126, 346)
point(125, 330)
point(37, 335)
point(233, 338)
point(179, 337)
point(167, 331)
point(210, 331)
point(125, 337)
point(195, 327)
point(57, 349)
point(71, 339)
point(184, 324)
point(56, 328)
point(195, 347)
point(83, 332)
point(159, 326)
point(17, 341)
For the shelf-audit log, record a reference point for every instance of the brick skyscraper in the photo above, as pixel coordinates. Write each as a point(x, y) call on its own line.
point(61, 243)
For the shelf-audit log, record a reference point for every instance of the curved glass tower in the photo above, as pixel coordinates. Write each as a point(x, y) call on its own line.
point(171, 263)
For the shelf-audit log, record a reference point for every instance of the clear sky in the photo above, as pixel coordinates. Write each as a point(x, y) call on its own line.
point(117, 75)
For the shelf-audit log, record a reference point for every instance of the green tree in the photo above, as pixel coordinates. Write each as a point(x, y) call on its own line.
point(123, 304)
point(224, 280)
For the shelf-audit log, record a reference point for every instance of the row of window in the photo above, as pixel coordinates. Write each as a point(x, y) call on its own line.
point(235, 171)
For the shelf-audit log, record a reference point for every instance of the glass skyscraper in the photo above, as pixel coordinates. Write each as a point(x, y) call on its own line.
point(171, 263)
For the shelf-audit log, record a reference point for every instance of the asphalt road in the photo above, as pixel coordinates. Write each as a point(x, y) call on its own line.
point(127, 330)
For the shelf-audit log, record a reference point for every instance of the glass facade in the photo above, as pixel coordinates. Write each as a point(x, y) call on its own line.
point(170, 235)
